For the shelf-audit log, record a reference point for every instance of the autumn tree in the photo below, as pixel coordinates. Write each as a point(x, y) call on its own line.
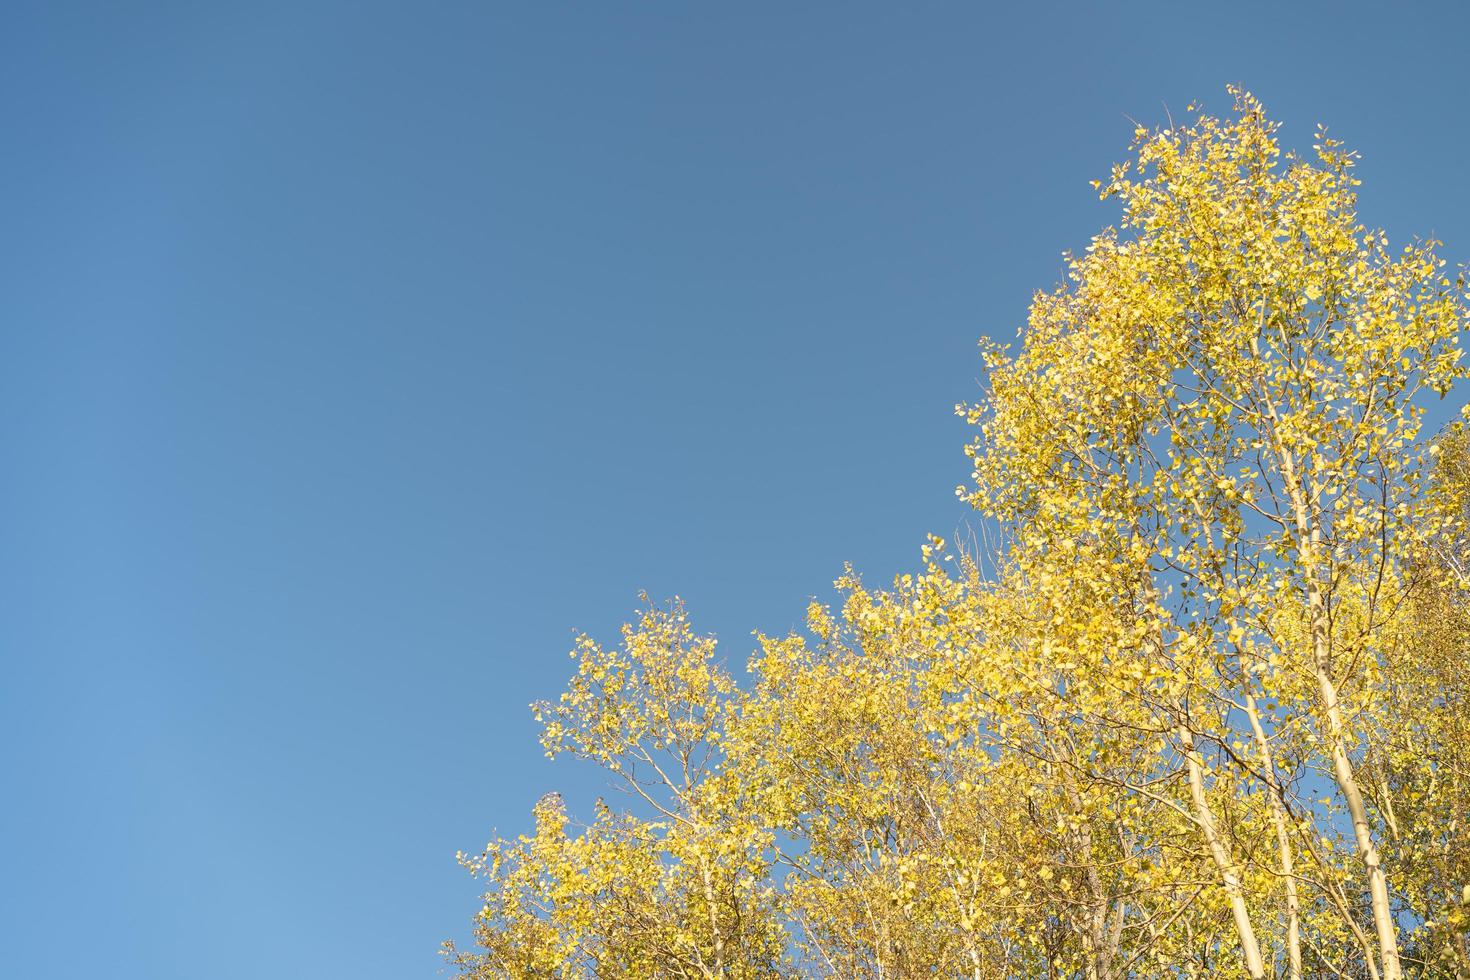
point(1220, 417)
point(1202, 713)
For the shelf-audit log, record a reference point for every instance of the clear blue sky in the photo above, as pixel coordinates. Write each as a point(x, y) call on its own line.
point(352, 354)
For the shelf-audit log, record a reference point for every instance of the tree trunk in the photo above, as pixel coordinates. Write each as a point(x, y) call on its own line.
point(1205, 817)
point(1309, 542)
point(1283, 845)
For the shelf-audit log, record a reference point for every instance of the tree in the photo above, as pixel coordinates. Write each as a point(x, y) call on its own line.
point(1203, 714)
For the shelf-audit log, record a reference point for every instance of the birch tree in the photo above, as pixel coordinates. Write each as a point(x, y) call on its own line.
point(1204, 710)
point(1220, 417)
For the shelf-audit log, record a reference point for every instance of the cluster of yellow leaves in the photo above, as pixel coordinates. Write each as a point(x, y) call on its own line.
point(1204, 714)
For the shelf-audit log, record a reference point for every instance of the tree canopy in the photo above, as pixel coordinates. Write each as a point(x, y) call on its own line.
point(1203, 711)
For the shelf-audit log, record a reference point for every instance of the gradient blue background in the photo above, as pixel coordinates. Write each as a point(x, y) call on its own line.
point(352, 354)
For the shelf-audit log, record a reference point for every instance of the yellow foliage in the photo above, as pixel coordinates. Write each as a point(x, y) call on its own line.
point(1207, 713)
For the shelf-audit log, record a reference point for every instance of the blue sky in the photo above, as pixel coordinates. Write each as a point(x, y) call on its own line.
point(354, 354)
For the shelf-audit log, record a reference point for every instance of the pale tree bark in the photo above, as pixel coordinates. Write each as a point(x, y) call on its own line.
point(1283, 844)
point(712, 911)
point(1308, 529)
point(1309, 544)
point(1205, 818)
point(1095, 953)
